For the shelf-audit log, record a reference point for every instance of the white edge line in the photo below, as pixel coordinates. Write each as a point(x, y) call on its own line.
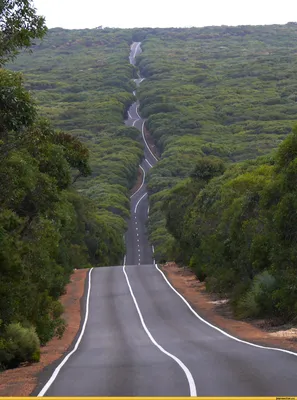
point(149, 163)
point(142, 131)
point(59, 367)
point(218, 329)
point(192, 386)
point(136, 49)
point(134, 122)
point(57, 370)
point(130, 116)
point(136, 109)
point(143, 178)
point(153, 249)
point(139, 202)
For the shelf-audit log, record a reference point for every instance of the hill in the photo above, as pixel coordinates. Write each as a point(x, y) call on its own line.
point(219, 102)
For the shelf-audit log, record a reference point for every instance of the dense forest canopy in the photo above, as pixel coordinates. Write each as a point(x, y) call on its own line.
point(67, 166)
point(82, 82)
point(219, 102)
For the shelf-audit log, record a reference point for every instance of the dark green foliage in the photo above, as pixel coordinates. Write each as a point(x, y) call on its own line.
point(18, 344)
point(219, 101)
point(82, 81)
point(52, 220)
point(19, 26)
point(238, 233)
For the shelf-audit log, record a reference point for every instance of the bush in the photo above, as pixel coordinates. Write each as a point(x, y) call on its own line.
point(18, 345)
point(258, 301)
point(198, 268)
point(51, 325)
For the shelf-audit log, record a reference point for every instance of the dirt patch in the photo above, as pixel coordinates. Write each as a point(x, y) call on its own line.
point(138, 182)
point(288, 333)
point(218, 312)
point(22, 381)
point(151, 143)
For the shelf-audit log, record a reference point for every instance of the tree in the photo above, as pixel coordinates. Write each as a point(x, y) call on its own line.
point(19, 25)
point(17, 109)
point(207, 168)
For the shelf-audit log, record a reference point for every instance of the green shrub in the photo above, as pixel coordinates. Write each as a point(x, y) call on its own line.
point(51, 325)
point(198, 268)
point(257, 301)
point(18, 345)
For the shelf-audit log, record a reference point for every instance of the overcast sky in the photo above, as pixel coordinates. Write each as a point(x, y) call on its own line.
point(73, 14)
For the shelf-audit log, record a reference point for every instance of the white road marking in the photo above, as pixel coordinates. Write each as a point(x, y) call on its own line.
point(57, 370)
point(153, 249)
point(218, 329)
point(130, 116)
point(136, 48)
point(134, 122)
point(191, 382)
point(139, 202)
point(142, 183)
point(138, 249)
point(144, 139)
point(134, 92)
point(136, 109)
point(149, 163)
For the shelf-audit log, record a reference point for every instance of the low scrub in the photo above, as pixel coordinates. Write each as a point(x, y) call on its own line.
point(18, 344)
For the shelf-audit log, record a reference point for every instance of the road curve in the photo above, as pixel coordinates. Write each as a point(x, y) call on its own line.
point(139, 338)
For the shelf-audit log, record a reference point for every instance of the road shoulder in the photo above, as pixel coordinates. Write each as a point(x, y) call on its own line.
point(218, 313)
point(23, 380)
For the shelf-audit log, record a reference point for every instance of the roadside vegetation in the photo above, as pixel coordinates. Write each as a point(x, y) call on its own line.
point(82, 82)
point(67, 166)
point(219, 102)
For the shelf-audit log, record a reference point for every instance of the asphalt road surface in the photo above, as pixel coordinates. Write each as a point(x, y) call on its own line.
point(140, 338)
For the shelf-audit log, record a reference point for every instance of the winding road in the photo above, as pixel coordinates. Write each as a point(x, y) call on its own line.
point(139, 337)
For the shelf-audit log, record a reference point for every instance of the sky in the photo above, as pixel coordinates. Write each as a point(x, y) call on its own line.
point(74, 14)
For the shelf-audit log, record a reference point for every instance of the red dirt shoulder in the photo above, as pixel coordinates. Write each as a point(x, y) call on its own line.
point(219, 314)
point(22, 381)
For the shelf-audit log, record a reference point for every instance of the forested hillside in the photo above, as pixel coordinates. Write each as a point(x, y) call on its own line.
point(213, 98)
point(82, 81)
point(219, 103)
point(67, 166)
